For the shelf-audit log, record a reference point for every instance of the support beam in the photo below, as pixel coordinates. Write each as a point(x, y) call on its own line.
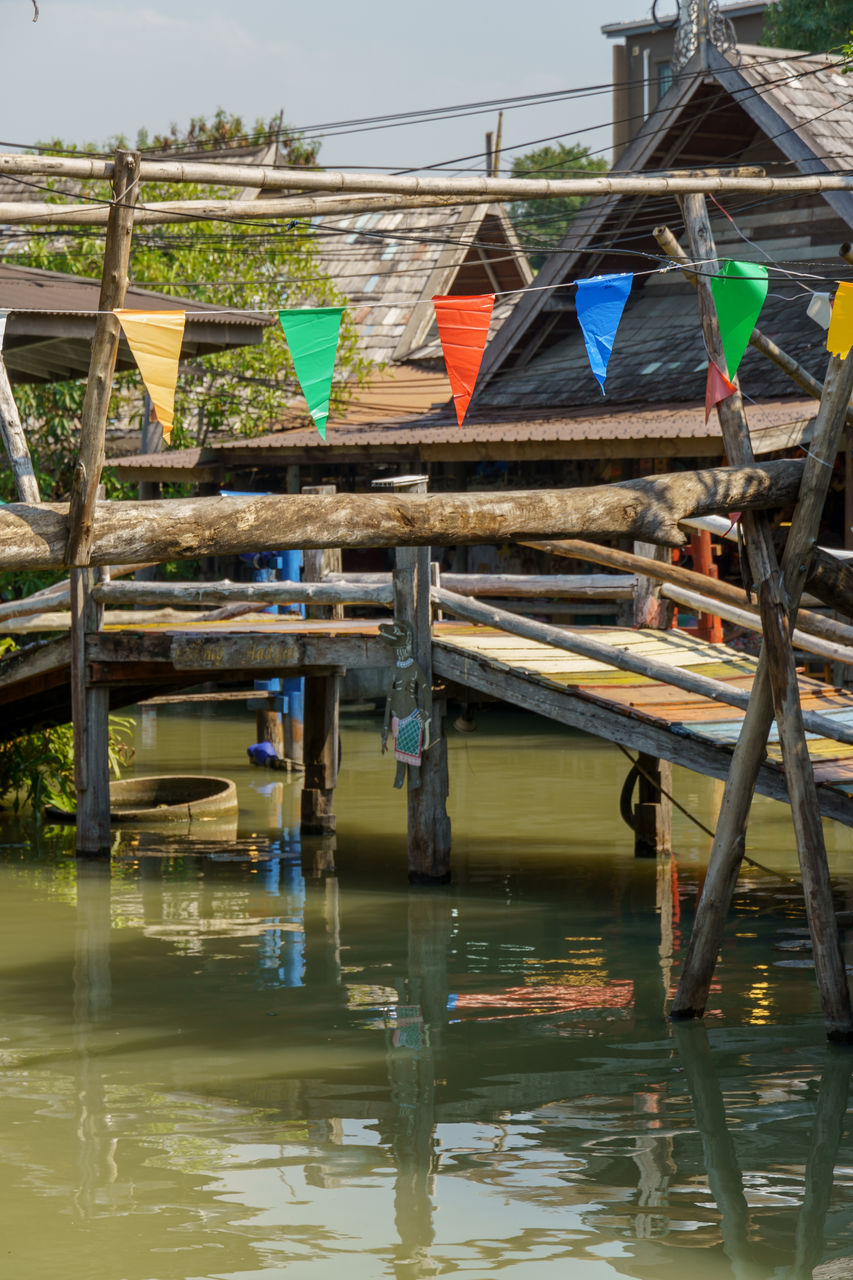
point(428, 823)
point(93, 419)
point(320, 746)
point(774, 690)
point(90, 714)
point(180, 528)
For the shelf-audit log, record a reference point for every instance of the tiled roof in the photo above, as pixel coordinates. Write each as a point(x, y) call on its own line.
point(390, 265)
point(675, 428)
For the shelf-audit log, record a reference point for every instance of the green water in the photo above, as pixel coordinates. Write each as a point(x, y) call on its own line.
point(235, 1055)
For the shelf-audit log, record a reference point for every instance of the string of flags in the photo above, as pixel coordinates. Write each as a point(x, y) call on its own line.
point(739, 290)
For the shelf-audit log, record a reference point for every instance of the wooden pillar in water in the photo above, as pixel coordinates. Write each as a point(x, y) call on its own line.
point(90, 708)
point(321, 743)
point(775, 686)
point(652, 814)
point(428, 823)
point(90, 705)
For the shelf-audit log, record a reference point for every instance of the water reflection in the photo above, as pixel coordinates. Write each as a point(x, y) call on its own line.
point(270, 1059)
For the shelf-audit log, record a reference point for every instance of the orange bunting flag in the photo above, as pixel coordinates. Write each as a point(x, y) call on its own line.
point(155, 338)
point(839, 340)
point(717, 388)
point(463, 327)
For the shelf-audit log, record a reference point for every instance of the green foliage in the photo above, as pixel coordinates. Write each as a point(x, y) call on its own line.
point(37, 768)
point(542, 224)
point(815, 26)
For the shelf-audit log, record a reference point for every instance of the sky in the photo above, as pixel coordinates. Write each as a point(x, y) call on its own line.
point(86, 71)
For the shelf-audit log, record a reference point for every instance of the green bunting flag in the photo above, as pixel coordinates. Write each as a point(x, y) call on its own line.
point(312, 336)
point(739, 292)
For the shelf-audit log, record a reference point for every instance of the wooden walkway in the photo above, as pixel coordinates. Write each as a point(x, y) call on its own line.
point(638, 713)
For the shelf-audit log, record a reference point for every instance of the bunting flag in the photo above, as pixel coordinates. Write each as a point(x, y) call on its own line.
point(717, 388)
point(155, 338)
point(600, 303)
point(840, 337)
point(312, 336)
point(739, 292)
point(463, 327)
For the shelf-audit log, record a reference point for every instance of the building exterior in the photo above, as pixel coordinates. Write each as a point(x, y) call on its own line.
point(646, 60)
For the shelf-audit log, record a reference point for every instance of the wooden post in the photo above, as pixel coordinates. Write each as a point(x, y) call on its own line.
point(710, 626)
point(652, 815)
point(650, 608)
point(15, 441)
point(774, 688)
point(90, 460)
point(90, 706)
point(321, 742)
point(90, 713)
point(428, 824)
point(322, 736)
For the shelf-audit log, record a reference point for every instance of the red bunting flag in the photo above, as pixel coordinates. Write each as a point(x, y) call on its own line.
point(717, 388)
point(463, 327)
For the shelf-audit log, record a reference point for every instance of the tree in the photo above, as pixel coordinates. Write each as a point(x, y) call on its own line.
point(815, 26)
point(261, 266)
point(542, 224)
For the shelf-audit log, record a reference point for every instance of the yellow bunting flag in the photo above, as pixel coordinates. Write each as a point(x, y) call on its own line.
point(839, 340)
point(155, 338)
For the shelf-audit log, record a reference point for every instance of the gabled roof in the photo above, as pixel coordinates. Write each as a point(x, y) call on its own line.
point(784, 111)
point(49, 331)
point(390, 265)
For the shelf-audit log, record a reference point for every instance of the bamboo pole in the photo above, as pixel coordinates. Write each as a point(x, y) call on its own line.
point(225, 174)
point(623, 659)
point(258, 593)
point(16, 442)
point(775, 689)
point(90, 460)
point(179, 528)
point(757, 339)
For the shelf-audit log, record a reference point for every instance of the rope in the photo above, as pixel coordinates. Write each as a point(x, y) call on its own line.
point(638, 768)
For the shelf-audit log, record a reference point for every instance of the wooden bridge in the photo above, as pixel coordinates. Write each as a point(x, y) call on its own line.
point(131, 662)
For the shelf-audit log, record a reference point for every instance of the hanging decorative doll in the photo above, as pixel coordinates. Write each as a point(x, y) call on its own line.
point(408, 706)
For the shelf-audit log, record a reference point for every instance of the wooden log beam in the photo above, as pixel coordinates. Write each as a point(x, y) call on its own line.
point(795, 371)
point(624, 659)
point(775, 690)
point(807, 622)
point(93, 419)
point(750, 619)
point(17, 449)
point(258, 593)
point(181, 528)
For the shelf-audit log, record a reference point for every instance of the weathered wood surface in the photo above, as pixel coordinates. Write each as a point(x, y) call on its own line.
point(622, 658)
point(590, 710)
point(99, 385)
point(428, 823)
point(182, 528)
point(17, 449)
point(774, 691)
point(320, 755)
point(212, 651)
point(260, 593)
point(813, 624)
